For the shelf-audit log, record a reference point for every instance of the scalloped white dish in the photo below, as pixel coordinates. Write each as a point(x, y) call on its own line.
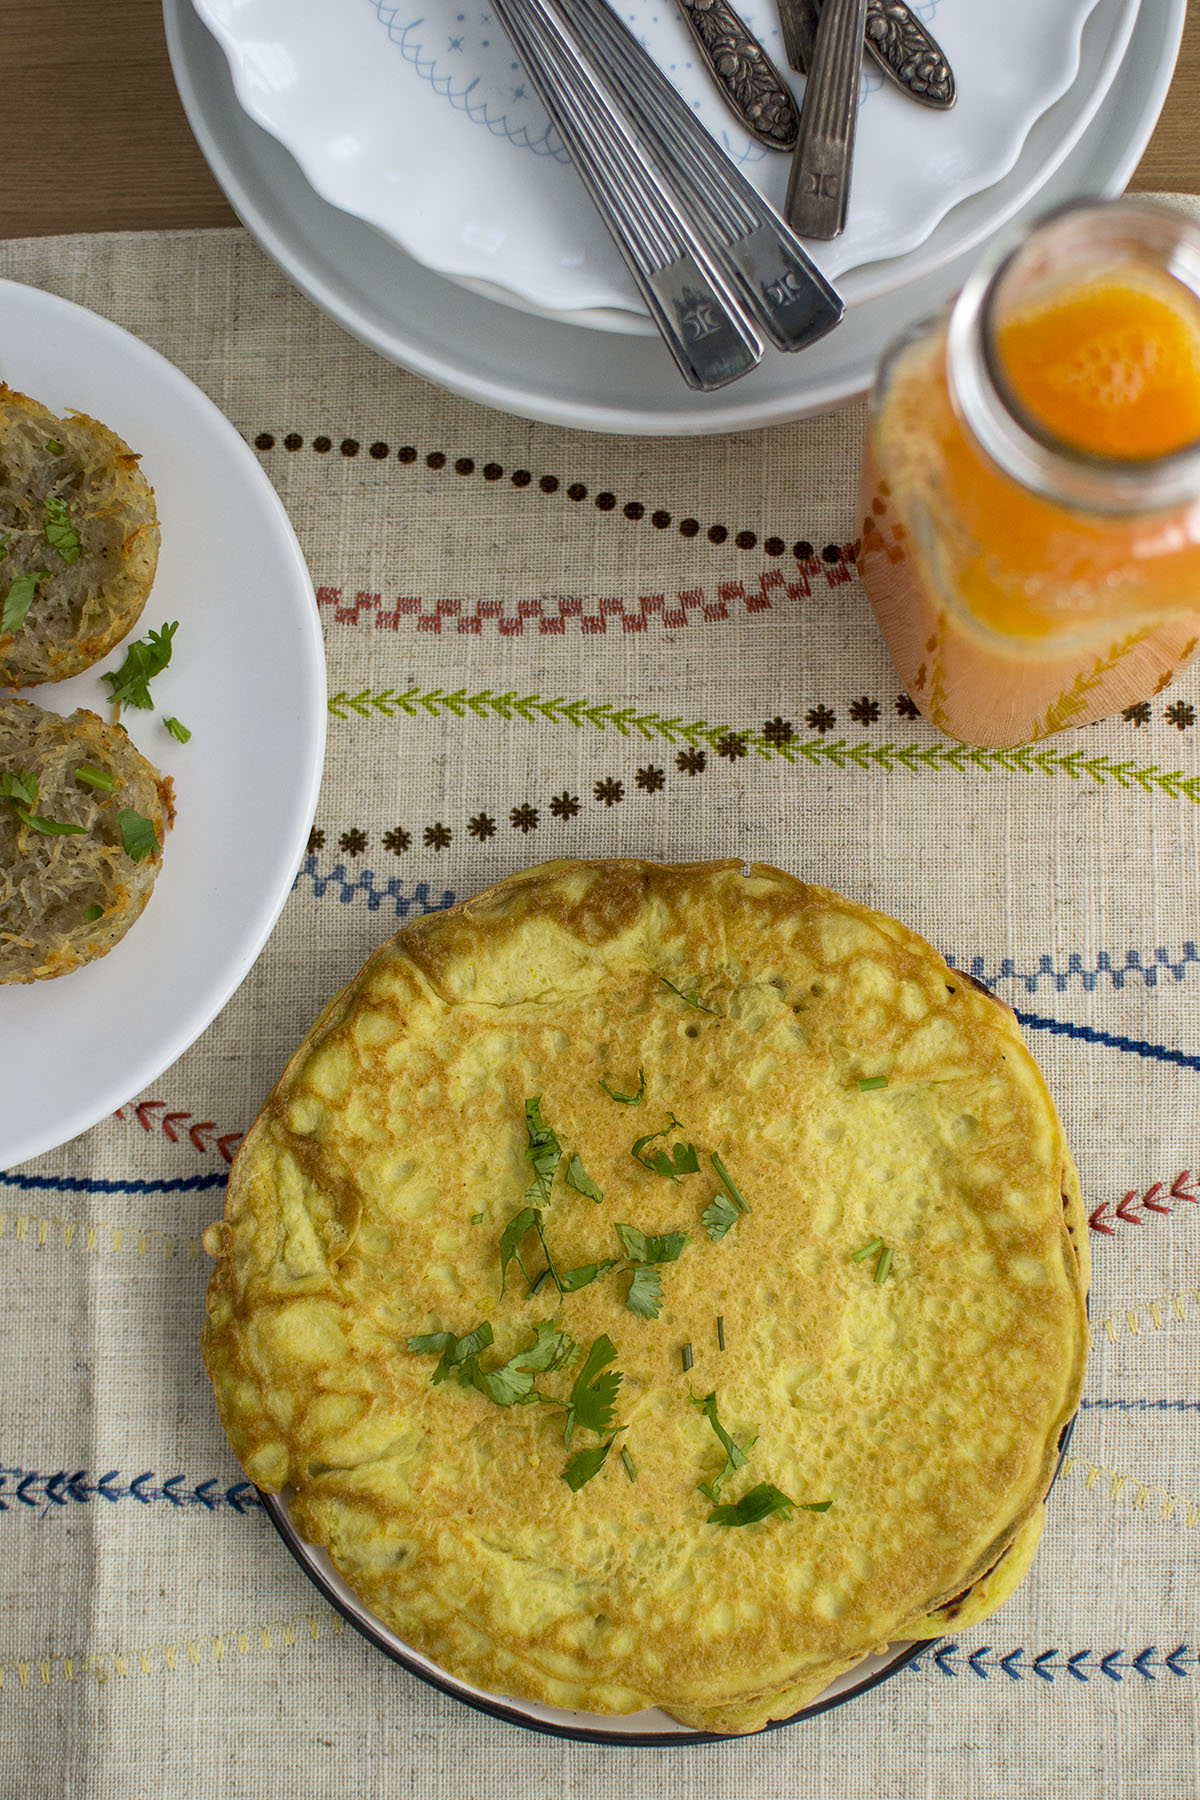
point(421, 122)
point(546, 369)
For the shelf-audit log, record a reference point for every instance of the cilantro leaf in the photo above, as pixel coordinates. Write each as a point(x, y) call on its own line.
point(137, 835)
point(19, 786)
point(144, 659)
point(512, 1383)
point(645, 1292)
point(511, 1239)
point(578, 1178)
point(179, 732)
point(93, 777)
point(594, 1395)
point(642, 1249)
point(759, 1503)
point(681, 1161)
point(584, 1464)
point(627, 1099)
point(19, 599)
point(54, 447)
point(630, 1465)
point(736, 1455)
point(692, 998)
point(727, 1182)
point(453, 1351)
point(718, 1217)
point(573, 1279)
point(60, 534)
point(871, 1083)
point(543, 1152)
point(93, 912)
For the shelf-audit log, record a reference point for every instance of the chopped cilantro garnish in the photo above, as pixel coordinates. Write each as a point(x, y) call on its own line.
point(872, 1082)
point(720, 1331)
point(19, 786)
point(692, 998)
point(93, 912)
point(177, 731)
point(144, 659)
point(627, 1099)
point(572, 1279)
point(884, 1263)
point(645, 1293)
point(512, 1383)
point(686, 1357)
point(137, 835)
point(19, 599)
point(477, 1218)
point(54, 447)
point(736, 1455)
point(93, 777)
point(594, 1395)
point(719, 1217)
point(759, 1503)
point(584, 1464)
point(630, 1465)
point(729, 1185)
point(453, 1351)
point(682, 1159)
point(577, 1177)
point(60, 534)
point(21, 789)
point(642, 1249)
point(543, 1152)
point(528, 1219)
point(867, 1250)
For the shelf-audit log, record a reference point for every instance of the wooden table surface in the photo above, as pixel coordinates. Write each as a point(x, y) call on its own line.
point(93, 138)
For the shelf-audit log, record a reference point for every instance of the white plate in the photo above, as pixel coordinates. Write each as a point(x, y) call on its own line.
point(247, 677)
point(650, 1727)
point(557, 373)
point(419, 120)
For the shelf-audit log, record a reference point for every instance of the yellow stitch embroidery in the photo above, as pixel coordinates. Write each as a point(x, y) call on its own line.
point(144, 1657)
point(44, 1671)
point(121, 1664)
point(243, 1643)
point(218, 1644)
point(193, 1649)
point(264, 1632)
point(68, 1668)
point(23, 1673)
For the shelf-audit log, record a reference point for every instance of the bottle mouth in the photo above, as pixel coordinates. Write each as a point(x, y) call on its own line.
point(1076, 241)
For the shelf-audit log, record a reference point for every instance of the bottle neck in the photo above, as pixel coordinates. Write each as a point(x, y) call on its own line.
point(1075, 245)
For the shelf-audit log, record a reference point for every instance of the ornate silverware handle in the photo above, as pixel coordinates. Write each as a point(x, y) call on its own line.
point(908, 53)
point(896, 38)
point(751, 85)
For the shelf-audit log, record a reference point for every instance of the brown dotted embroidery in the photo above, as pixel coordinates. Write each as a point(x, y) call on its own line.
point(609, 792)
point(820, 718)
point(651, 780)
point(691, 762)
point(482, 826)
point(1138, 714)
point(732, 745)
point(524, 818)
point(1181, 714)
point(397, 841)
point(633, 510)
point(564, 806)
point(864, 711)
point(353, 842)
point(437, 836)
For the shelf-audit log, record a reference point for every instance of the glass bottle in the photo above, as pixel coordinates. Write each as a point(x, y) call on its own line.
point(1031, 482)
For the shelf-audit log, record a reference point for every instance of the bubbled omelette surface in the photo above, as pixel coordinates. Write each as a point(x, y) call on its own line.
point(925, 1408)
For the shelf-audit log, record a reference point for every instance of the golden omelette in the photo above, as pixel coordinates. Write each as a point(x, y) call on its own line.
point(849, 1277)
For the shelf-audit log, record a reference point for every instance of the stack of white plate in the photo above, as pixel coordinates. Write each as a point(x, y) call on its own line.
point(397, 165)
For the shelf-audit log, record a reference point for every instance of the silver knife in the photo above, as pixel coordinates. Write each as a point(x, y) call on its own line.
point(750, 84)
point(896, 38)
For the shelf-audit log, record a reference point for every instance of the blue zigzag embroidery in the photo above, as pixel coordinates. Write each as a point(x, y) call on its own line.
point(1182, 1661)
point(95, 1184)
point(345, 888)
point(1160, 963)
point(26, 1487)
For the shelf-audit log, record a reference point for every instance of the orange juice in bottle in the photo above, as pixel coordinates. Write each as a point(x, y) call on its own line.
point(1031, 480)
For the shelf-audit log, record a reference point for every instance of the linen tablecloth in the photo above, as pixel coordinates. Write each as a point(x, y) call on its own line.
point(545, 643)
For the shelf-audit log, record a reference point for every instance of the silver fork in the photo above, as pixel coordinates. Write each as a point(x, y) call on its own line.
point(697, 316)
point(760, 256)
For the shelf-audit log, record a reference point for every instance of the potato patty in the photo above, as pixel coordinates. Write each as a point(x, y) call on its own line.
point(79, 541)
point(67, 896)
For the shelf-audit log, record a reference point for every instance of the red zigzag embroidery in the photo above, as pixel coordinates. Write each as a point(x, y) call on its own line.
point(201, 1133)
point(550, 616)
point(1153, 1201)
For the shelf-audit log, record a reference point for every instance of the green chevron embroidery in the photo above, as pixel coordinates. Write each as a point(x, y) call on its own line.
point(962, 759)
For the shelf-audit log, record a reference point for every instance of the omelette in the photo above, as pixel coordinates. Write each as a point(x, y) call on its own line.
point(657, 1286)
